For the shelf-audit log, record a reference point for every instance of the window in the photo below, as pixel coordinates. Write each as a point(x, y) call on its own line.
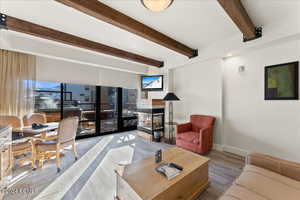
point(100, 109)
point(81, 104)
point(48, 100)
point(129, 102)
point(129, 108)
point(109, 109)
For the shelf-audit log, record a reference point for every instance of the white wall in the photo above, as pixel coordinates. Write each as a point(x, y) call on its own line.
point(118, 79)
point(66, 72)
point(250, 122)
point(247, 123)
point(199, 86)
point(69, 72)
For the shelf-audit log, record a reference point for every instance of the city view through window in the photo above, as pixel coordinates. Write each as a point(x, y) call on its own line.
point(129, 101)
point(81, 101)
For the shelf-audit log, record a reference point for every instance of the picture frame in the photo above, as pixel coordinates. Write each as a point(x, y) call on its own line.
point(282, 81)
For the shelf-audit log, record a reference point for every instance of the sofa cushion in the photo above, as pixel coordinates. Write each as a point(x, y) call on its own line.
point(192, 137)
point(268, 184)
point(280, 166)
point(236, 192)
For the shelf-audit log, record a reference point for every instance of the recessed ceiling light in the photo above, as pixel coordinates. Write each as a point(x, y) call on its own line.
point(157, 5)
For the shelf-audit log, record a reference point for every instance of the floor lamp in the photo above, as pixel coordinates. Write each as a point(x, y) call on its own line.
point(170, 97)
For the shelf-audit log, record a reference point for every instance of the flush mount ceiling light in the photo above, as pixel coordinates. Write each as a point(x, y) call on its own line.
point(157, 5)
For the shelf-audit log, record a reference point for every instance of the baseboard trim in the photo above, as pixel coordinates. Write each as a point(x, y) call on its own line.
point(231, 149)
point(235, 150)
point(218, 147)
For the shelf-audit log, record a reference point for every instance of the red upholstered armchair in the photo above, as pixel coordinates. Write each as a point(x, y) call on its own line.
point(197, 135)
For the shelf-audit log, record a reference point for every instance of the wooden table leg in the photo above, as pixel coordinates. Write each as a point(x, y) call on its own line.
point(40, 163)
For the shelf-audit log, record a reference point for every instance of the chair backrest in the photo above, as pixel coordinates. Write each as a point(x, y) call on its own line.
point(29, 119)
point(201, 121)
point(67, 129)
point(13, 121)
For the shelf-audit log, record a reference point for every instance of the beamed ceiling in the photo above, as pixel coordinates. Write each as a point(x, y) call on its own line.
point(196, 24)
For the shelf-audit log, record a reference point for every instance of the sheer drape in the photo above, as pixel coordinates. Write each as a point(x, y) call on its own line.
point(17, 83)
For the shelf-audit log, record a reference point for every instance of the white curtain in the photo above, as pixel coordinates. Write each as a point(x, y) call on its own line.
point(17, 83)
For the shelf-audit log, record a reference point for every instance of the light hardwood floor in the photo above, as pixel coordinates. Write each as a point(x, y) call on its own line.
point(92, 176)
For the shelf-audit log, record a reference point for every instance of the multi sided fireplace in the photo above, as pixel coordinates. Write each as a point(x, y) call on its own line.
point(151, 121)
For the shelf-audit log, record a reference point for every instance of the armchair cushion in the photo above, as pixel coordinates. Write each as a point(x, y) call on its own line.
point(196, 128)
point(192, 137)
point(202, 121)
point(196, 136)
point(181, 128)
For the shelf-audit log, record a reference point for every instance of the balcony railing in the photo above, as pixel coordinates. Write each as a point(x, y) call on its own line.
point(49, 102)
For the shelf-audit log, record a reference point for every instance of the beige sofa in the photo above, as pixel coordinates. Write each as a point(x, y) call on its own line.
point(266, 178)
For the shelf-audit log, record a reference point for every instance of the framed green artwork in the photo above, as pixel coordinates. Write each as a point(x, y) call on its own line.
point(281, 81)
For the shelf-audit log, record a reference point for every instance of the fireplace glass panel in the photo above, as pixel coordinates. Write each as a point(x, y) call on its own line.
point(151, 119)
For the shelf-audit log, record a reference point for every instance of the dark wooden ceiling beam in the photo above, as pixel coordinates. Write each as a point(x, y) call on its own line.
point(239, 15)
point(22, 26)
point(109, 15)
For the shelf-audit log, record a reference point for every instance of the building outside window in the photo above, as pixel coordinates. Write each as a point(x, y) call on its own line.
point(109, 109)
point(48, 100)
point(129, 108)
point(81, 101)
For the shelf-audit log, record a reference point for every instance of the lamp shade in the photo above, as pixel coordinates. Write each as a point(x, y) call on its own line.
point(171, 97)
point(157, 5)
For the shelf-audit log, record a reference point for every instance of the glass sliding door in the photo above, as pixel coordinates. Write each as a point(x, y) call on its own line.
point(80, 101)
point(129, 108)
point(108, 110)
point(48, 100)
point(101, 110)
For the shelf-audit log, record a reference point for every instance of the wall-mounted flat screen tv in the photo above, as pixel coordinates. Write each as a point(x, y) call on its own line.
point(152, 83)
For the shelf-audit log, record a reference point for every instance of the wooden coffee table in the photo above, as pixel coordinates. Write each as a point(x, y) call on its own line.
point(140, 181)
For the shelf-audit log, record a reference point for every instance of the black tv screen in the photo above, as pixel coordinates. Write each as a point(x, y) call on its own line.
point(152, 83)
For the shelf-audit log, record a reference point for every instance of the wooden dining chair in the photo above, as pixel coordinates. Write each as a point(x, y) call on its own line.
point(32, 118)
point(65, 138)
point(39, 118)
point(22, 146)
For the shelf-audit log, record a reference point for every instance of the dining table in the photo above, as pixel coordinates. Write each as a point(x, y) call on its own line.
point(28, 131)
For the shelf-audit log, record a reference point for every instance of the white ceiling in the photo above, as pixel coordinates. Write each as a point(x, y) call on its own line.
point(197, 23)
